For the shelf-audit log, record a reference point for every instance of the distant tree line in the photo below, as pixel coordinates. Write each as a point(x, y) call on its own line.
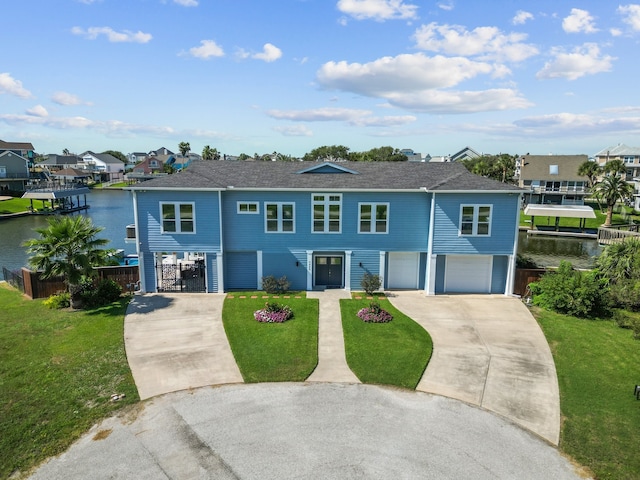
point(500, 167)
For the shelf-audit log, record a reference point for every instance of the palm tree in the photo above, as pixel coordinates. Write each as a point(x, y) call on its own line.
point(184, 148)
point(68, 247)
point(611, 189)
point(615, 167)
point(207, 153)
point(591, 170)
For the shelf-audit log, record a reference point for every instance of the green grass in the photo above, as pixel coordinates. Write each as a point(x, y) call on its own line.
point(621, 215)
point(58, 369)
point(598, 366)
point(272, 352)
point(17, 205)
point(394, 353)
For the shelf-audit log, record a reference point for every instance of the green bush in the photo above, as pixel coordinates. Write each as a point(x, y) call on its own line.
point(60, 300)
point(625, 293)
point(104, 293)
point(272, 285)
point(370, 283)
point(569, 291)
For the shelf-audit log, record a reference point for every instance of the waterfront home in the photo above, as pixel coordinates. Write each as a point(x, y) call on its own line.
point(220, 226)
point(552, 179)
point(14, 171)
point(103, 166)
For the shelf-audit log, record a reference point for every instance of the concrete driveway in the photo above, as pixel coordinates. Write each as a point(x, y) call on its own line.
point(177, 342)
point(488, 351)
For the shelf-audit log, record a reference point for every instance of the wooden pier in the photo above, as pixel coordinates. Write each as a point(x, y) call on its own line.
point(617, 233)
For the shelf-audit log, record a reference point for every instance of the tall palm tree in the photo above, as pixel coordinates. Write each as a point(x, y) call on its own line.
point(591, 170)
point(207, 153)
point(611, 189)
point(615, 167)
point(184, 148)
point(68, 247)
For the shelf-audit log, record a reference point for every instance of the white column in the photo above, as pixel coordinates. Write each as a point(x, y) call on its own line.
point(158, 262)
point(143, 283)
point(382, 269)
point(309, 269)
point(219, 264)
point(430, 274)
point(347, 270)
point(259, 257)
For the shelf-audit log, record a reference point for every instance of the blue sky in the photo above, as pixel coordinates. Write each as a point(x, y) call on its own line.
point(292, 75)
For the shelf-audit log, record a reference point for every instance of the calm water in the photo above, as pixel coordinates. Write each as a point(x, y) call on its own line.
point(111, 209)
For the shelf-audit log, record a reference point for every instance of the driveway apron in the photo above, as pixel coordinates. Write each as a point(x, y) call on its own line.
point(488, 351)
point(176, 342)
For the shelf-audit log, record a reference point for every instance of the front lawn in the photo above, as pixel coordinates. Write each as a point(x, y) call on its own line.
point(272, 352)
point(58, 370)
point(598, 366)
point(16, 205)
point(394, 353)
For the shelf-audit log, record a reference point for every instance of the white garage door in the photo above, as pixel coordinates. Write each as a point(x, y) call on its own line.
point(468, 274)
point(403, 269)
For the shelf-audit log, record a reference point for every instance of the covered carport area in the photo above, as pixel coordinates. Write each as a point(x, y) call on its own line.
point(582, 212)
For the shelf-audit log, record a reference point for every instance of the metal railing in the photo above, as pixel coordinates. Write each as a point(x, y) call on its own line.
point(13, 278)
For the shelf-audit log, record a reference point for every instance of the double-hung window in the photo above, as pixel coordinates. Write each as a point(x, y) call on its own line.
point(178, 217)
point(327, 217)
point(475, 220)
point(373, 218)
point(279, 217)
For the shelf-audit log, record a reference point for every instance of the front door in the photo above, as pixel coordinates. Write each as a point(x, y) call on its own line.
point(329, 272)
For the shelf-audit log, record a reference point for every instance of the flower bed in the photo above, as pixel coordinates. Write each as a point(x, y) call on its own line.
point(374, 314)
point(273, 313)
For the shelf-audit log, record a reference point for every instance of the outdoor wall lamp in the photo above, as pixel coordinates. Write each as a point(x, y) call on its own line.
point(360, 264)
point(297, 263)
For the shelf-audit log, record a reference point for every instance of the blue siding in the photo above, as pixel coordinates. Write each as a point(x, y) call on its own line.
point(447, 220)
point(241, 271)
point(370, 260)
point(499, 277)
point(212, 272)
point(279, 264)
point(207, 222)
point(149, 272)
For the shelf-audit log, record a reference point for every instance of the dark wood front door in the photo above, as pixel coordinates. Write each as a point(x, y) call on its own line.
point(329, 271)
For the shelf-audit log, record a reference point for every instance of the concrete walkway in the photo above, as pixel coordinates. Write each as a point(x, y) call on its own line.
point(488, 351)
point(332, 363)
point(177, 342)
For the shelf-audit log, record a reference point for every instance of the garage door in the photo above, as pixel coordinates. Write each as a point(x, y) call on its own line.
point(468, 274)
point(403, 270)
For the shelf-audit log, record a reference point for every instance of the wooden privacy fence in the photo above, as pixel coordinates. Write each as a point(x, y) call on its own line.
point(35, 287)
point(525, 276)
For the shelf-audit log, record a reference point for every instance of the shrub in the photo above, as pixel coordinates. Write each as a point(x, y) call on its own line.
point(569, 291)
point(374, 314)
point(60, 300)
point(272, 285)
point(625, 293)
point(370, 283)
point(273, 313)
point(104, 293)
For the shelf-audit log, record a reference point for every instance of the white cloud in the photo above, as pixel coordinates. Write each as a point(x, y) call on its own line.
point(363, 118)
point(10, 85)
point(270, 53)
point(584, 60)
point(563, 124)
point(207, 49)
point(38, 111)
point(521, 17)
point(456, 102)
point(294, 131)
point(487, 43)
point(448, 6)
point(631, 15)
point(379, 10)
point(579, 21)
point(186, 3)
point(67, 99)
point(615, 32)
point(115, 37)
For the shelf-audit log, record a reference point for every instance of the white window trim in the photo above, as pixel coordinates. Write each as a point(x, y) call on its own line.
point(326, 203)
point(178, 219)
point(280, 218)
point(374, 206)
point(239, 212)
point(476, 212)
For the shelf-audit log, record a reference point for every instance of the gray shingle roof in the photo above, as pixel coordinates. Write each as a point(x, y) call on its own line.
point(288, 175)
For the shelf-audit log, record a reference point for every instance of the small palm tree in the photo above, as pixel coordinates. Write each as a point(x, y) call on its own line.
point(68, 247)
point(207, 153)
point(184, 148)
point(591, 170)
point(612, 189)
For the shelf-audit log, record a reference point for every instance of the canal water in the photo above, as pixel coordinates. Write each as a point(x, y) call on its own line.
point(113, 210)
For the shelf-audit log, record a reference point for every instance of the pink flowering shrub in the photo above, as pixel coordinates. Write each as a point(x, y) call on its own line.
point(374, 314)
point(273, 313)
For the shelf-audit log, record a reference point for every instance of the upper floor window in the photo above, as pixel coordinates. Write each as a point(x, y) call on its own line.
point(178, 217)
point(475, 220)
point(629, 159)
point(373, 218)
point(279, 217)
point(248, 207)
point(326, 213)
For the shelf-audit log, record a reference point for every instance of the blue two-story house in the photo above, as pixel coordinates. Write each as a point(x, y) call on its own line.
point(222, 225)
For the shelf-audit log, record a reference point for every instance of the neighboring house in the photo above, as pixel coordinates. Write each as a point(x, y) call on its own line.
point(467, 153)
point(181, 162)
point(103, 166)
point(552, 179)
point(411, 155)
point(136, 157)
point(55, 162)
point(631, 158)
point(71, 175)
point(160, 151)
point(221, 226)
point(24, 149)
point(149, 166)
point(14, 171)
